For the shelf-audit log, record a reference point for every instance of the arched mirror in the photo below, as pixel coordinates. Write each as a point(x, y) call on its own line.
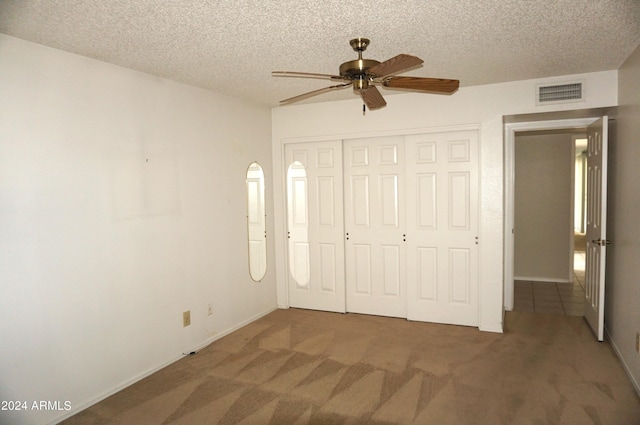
point(298, 223)
point(256, 223)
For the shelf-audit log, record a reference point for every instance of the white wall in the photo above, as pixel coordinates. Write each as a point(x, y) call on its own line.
point(622, 298)
point(543, 207)
point(483, 106)
point(122, 204)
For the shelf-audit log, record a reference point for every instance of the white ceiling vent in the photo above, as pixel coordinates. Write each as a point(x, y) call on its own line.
point(559, 93)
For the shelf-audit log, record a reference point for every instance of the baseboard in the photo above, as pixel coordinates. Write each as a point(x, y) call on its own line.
point(494, 329)
point(155, 369)
point(636, 386)
point(541, 279)
point(230, 330)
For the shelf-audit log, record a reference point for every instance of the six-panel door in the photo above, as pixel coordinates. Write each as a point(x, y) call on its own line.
point(374, 221)
point(442, 227)
point(315, 226)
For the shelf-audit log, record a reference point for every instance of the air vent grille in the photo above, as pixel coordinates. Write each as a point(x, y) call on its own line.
point(569, 92)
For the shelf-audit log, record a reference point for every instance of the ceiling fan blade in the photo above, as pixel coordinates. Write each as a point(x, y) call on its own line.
point(306, 75)
point(313, 93)
point(372, 98)
point(435, 85)
point(395, 65)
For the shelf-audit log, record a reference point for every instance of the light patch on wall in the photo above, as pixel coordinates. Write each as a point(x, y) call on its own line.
point(145, 183)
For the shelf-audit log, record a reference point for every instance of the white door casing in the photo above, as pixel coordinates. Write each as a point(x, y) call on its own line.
point(374, 224)
point(442, 227)
point(596, 233)
point(315, 226)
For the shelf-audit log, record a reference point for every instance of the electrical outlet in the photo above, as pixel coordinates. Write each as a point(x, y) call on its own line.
point(209, 309)
point(186, 318)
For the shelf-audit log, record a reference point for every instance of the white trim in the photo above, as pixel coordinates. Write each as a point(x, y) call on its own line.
point(77, 409)
point(541, 279)
point(572, 209)
point(494, 329)
point(510, 130)
point(373, 134)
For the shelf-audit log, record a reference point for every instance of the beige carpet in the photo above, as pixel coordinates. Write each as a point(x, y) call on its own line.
point(307, 367)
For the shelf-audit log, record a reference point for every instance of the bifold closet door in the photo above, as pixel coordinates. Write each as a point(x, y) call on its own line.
point(442, 227)
point(374, 226)
point(315, 226)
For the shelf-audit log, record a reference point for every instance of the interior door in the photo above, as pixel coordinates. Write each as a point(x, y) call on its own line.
point(315, 226)
point(374, 225)
point(442, 227)
point(597, 145)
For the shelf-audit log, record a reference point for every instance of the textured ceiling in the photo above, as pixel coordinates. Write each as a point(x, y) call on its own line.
point(231, 47)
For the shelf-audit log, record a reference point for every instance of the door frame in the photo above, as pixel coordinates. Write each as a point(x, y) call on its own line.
point(510, 130)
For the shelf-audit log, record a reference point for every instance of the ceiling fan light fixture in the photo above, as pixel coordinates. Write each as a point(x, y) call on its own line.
point(360, 84)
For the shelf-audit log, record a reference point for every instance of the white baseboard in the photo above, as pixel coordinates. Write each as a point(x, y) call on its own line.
point(636, 386)
point(228, 331)
point(494, 329)
point(153, 370)
point(541, 279)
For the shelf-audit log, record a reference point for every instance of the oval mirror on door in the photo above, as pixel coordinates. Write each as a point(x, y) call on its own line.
point(256, 223)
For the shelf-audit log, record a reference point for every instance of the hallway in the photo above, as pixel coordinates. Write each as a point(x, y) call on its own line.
point(553, 297)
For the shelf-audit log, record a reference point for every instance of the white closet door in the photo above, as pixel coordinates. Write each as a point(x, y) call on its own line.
point(315, 226)
point(374, 226)
point(442, 227)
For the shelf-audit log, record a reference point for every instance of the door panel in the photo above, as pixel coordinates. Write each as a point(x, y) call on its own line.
point(597, 145)
point(442, 227)
point(362, 269)
point(374, 220)
point(459, 196)
point(315, 226)
point(391, 273)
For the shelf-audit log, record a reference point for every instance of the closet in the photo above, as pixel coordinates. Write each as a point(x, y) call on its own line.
point(385, 225)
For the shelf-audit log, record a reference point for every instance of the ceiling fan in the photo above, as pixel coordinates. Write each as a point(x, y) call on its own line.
point(365, 74)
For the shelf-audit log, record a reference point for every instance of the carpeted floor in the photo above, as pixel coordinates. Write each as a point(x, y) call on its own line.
point(308, 367)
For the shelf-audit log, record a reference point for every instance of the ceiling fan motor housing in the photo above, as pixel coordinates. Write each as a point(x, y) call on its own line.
point(356, 70)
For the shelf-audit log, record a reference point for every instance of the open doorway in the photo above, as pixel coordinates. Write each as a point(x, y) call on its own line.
point(569, 125)
point(544, 223)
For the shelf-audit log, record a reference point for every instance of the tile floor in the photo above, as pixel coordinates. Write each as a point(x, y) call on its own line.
point(553, 297)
